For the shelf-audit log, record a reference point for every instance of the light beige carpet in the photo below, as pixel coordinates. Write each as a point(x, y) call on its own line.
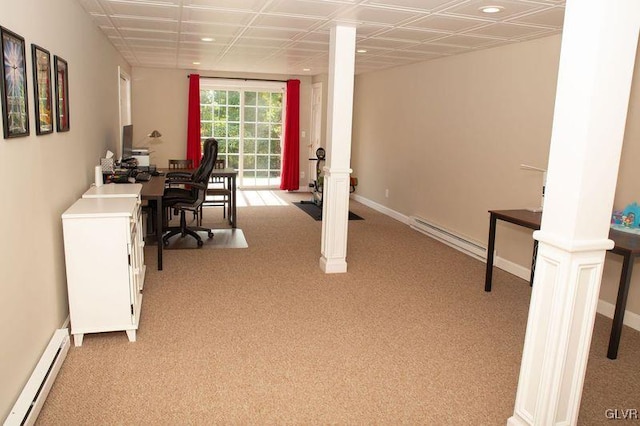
point(262, 336)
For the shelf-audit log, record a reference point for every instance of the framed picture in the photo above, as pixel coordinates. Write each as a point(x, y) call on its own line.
point(61, 70)
point(15, 109)
point(41, 60)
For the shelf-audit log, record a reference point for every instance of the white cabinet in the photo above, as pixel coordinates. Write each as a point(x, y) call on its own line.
point(130, 190)
point(102, 254)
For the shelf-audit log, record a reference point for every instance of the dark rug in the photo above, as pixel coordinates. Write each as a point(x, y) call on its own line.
point(316, 212)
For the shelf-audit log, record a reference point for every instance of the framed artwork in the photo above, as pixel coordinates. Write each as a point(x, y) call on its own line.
point(41, 60)
point(15, 109)
point(61, 70)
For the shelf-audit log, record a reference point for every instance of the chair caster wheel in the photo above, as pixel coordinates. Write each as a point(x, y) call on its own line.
point(165, 243)
point(200, 243)
point(210, 234)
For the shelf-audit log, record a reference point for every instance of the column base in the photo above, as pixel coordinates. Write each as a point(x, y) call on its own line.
point(333, 266)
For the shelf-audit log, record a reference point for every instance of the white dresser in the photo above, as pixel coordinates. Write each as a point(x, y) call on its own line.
point(104, 264)
point(126, 190)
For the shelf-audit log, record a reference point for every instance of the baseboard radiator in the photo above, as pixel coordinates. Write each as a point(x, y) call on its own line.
point(28, 406)
point(449, 238)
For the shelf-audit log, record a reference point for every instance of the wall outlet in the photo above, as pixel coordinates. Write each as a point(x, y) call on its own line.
point(301, 175)
point(386, 193)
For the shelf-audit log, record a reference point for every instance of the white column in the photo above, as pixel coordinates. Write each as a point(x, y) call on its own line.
point(335, 205)
point(599, 44)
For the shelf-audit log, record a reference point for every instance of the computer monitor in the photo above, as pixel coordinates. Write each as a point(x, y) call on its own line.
point(127, 142)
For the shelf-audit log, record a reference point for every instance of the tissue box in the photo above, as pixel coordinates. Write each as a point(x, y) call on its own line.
point(107, 165)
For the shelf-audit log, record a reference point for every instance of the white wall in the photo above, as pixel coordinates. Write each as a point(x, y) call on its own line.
point(43, 175)
point(160, 102)
point(447, 138)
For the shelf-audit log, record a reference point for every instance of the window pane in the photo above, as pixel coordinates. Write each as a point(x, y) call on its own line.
point(276, 99)
point(232, 161)
point(249, 146)
point(233, 146)
point(222, 146)
point(220, 113)
point(234, 98)
point(234, 114)
point(206, 129)
point(276, 131)
point(263, 130)
point(205, 112)
point(263, 115)
point(249, 130)
point(234, 130)
point(275, 115)
point(262, 162)
point(220, 97)
point(263, 147)
point(219, 130)
point(262, 174)
point(264, 98)
point(206, 96)
point(249, 162)
point(249, 114)
point(275, 146)
point(249, 98)
point(274, 162)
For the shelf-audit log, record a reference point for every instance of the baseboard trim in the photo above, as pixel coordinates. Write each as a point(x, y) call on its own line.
point(605, 308)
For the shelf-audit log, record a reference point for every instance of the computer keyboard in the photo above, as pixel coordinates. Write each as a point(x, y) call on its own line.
point(143, 176)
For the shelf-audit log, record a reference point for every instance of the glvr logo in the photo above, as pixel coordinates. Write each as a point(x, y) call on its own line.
point(622, 414)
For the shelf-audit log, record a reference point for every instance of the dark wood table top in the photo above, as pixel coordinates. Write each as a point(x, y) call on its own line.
point(153, 188)
point(625, 242)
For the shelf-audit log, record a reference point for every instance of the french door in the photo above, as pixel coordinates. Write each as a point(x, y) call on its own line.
point(247, 122)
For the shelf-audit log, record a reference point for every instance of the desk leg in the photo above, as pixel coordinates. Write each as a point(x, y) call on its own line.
point(534, 257)
point(234, 222)
point(159, 226)
point(621, 304)
point(490, 246)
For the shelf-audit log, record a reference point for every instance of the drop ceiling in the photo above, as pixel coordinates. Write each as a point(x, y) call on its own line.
point(292, 36)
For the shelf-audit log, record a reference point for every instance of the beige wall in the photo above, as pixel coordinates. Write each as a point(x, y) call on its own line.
point(447, 138)
point(159, 101)
point(43, 176)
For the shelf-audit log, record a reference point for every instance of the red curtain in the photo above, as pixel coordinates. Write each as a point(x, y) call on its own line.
point(193, 121)
point(290, 179)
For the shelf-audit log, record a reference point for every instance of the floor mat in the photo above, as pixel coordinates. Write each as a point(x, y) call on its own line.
point(316, 212)
point(222, 238)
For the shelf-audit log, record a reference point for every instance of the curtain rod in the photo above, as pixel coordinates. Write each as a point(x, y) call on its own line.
point(240, 78)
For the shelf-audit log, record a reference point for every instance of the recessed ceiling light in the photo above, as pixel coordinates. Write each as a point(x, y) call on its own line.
point(361, 51)
point(195, 63)
point(306, 69)
point(491, 9)
point(206, 39)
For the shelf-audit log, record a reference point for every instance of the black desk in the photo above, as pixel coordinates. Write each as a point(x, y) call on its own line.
point(627, 245)
point(153, 190)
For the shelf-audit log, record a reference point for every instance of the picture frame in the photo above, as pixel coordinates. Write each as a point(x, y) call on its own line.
point(61, 71)
point(14, 99)
point(41, 61)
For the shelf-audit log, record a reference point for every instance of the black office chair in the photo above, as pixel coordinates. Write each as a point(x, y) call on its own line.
point(190, 194)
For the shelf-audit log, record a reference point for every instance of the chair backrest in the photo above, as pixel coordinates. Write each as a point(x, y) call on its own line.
point(181, 164)
point(209, 157)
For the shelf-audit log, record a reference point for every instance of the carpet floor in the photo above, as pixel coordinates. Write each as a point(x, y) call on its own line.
point(262, 336)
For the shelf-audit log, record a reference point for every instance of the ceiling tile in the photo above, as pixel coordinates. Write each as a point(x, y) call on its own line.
point(511, 7)
point(210, 29)
point(468, 41)
point(551, 17)
point(410, 35)
point(447, 23)
point(243, 5)
point(145, 24)
point(219, 16)
point(284, 22)
point(315, 8)
point(377, 15)
point(504, 30)
point(272, 33)
point(146, 10)
point(423, 5)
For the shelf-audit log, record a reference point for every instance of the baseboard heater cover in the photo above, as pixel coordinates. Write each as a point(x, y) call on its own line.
point(449, 238)
point(30, 402)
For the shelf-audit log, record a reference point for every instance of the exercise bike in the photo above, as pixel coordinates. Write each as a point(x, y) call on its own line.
point(318, 183)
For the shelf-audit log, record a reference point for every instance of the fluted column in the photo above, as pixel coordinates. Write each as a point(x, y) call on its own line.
point(597, 56)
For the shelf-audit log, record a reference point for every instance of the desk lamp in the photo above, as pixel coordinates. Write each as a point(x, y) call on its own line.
point(154, 138)
point(544, 183)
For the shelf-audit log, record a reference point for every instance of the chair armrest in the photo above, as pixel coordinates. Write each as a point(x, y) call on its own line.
point(178, 175)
